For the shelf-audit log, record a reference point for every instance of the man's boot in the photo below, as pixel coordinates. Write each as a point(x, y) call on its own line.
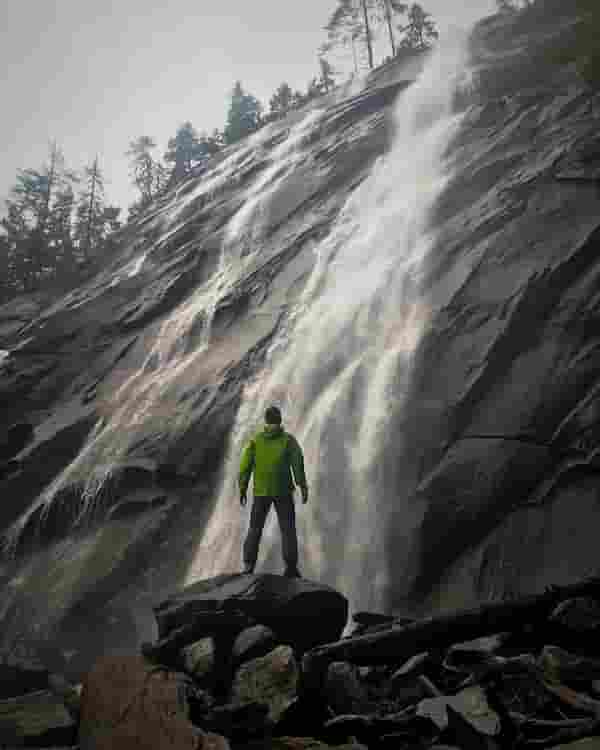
point(292, 573)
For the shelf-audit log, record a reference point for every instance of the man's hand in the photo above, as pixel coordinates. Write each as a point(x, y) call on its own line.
point(243, 499)
point(304, 491)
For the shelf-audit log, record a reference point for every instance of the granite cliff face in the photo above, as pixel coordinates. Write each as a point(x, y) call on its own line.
point(412, 271)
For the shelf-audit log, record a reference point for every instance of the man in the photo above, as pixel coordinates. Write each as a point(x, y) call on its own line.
point(273, 455)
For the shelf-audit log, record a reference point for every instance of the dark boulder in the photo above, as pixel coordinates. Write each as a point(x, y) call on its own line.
point(301, 613)
point(252, 643)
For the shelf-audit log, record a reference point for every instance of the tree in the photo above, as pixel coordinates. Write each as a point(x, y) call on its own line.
point(29, 213)
point(327, 80)
point(313, 89)
point(354, 20)
point(16, 229)
point(391, 8)
point(243, 117)
point(7, 271)
point(185, 150)
point(368, 35)
point(281, 101)
point(420, 30)
point(143, 167)
point(89, 230)
point(344, 29)
point(217, 139)
point(60, 233)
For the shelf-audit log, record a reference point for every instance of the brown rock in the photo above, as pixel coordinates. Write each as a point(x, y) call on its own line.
point(127, 703)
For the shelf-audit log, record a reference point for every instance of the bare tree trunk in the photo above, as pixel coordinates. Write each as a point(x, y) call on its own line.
point(43, 218)
point(88, 232)
point(388, 18)
point(368, 33)
point(354, 56)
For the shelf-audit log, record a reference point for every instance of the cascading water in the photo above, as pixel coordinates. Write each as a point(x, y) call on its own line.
point(340, 364)
point(341, 367)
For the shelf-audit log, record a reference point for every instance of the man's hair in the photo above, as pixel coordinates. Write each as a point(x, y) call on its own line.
point(273, 415)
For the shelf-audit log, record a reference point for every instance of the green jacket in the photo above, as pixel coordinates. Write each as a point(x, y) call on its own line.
point(273, 455)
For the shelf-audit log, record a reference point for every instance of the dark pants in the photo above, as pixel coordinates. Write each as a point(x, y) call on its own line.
point(286, 515)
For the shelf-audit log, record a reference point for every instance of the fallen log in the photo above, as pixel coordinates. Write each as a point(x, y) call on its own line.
point(397, 643)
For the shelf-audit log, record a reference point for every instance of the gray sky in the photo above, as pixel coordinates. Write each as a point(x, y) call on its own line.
point(93, 75)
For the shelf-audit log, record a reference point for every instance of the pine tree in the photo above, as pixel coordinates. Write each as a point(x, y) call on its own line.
point(354, 20)
point(60, 234)
point(281, 101)
point(216, 141)
point(313, 90)
point(143, 168)
point(368, 34)
point(8, 285)
point(327, 80)
point(17, 228)
point(30, 208)
point(243, 117)
point(185, 150)
point(344, 28)
point(390, 9)
point(420, 30)
point(89, 230)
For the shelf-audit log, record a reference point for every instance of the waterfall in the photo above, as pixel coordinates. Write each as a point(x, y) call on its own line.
point(341, 366)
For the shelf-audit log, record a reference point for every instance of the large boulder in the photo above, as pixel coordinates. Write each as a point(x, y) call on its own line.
point(127, 702)
point(301, 613)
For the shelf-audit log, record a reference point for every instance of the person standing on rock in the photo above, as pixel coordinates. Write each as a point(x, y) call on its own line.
point(273, 456)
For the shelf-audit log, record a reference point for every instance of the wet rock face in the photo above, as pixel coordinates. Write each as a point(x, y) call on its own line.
point(495, 447)
point(503, 409)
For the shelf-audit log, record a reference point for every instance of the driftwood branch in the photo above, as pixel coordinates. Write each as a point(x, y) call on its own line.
point(397, 643)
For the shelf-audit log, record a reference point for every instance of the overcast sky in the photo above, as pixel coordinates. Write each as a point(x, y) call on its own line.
point(93, 75)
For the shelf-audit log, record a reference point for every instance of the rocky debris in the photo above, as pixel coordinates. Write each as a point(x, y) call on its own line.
point(343, 688)
point(580, 615)
point(199, 658)
point(255, 641)
point(36, 718)
point(18, 677)
point(272, 680)
point(506, 690)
